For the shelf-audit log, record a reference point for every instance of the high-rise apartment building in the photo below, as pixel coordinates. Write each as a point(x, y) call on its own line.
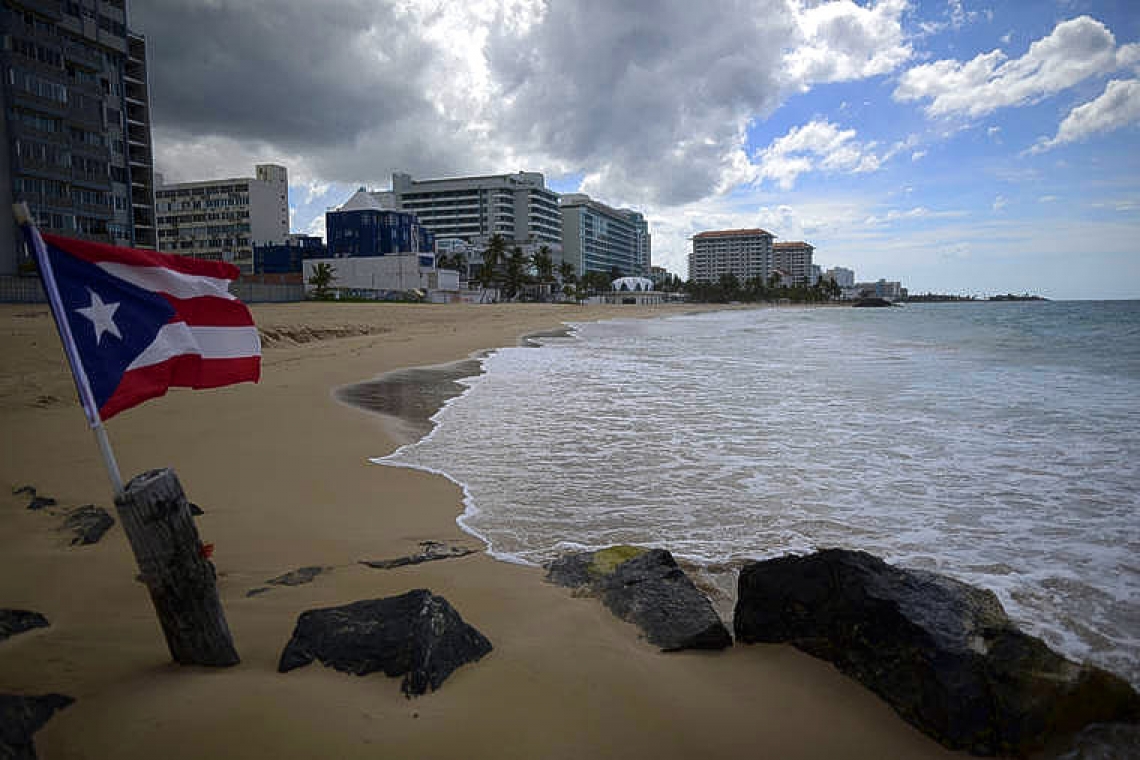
point(794, 259)
point(598, 238)
point(743, 253)
point(515, 206)
point(223, 219)
point(75, 124)
point(843, 277)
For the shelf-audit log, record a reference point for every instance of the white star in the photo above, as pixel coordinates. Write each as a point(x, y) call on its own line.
point(102, 316)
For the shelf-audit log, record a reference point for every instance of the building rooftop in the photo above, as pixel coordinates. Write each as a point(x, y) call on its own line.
point(793, 244)
point(361, 200)
point(732, 233)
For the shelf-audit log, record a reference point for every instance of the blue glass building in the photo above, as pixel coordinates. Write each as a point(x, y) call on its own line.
point(362, 228)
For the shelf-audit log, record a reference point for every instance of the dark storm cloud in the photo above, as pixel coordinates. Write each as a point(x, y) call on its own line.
point(648, 100)
point(294, 73)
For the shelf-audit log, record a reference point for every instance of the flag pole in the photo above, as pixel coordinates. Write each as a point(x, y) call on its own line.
point(82, 384)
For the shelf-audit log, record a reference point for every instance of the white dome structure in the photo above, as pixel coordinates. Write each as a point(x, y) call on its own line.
point(635, 284)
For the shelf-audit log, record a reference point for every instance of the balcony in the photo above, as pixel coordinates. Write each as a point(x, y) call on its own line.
point(92, 181)
point(36, 103)
point(27, 165)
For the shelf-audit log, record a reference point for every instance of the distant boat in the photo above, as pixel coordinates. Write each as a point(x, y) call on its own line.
point(872, 302)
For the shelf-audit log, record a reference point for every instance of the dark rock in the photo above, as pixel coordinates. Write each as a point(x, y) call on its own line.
point(648, 589)
point(89, 523)
point(21, 717)
point(417, 635)
point(39, 502)
point(297, 577)
point(29, 490)
point(941, 652)
point(195, 510)
point(18, 621)
point(256, 591)
point(432, 551)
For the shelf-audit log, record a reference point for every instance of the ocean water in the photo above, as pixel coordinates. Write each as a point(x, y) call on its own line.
point(998, 443)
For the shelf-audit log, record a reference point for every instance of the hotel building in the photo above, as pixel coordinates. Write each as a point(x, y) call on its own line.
point(223, 219)
point(75, 125)
point(744, 253)
point(598, 238)
point(843, 277)
point(515, 206)
point(794, 259)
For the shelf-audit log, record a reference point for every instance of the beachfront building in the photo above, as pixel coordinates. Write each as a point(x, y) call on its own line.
point(794, 259)
point(223, 219)
point(363, 227)
point(844, 278)
point(286, 258)
point(75, 125)
point(879, 289)
point(598, 238)
point(743, 253)
point(633, 290)
point(516, 206)
point(396, 275)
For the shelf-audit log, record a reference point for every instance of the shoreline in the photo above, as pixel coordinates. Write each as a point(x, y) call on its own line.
point(282, 472)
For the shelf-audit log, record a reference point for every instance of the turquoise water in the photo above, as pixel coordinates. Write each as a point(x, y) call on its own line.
point(995, 442)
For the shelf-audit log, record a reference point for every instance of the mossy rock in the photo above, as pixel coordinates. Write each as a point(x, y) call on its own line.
point(605, 561)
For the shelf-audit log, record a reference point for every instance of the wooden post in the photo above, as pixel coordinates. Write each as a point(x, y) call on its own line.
point(156, 517)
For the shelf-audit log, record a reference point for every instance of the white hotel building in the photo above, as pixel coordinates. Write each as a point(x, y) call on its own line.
point(223, 219)
point(516, 206)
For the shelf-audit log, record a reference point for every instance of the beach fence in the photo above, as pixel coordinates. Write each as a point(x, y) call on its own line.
point(15, 289)
point(267, 292)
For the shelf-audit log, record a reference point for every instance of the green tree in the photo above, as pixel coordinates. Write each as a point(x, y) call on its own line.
point(730, 286)
point(322, 277)
point(493, 257)
point(544, 266)
point(516, 273)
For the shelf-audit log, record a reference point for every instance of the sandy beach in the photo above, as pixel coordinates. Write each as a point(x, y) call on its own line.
point(282, 472)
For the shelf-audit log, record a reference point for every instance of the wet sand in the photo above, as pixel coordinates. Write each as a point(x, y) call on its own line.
point(282, 471)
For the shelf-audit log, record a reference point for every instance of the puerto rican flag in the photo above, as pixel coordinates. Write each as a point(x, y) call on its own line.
point(139, 322)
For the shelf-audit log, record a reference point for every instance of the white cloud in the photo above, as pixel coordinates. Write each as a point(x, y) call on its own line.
point(917, 212)
point(1118, 106)
point(840, 41)
point(1000, 202)
point(918, 154)
point(1074, 51)
point(1047, 199)
point(818, 145)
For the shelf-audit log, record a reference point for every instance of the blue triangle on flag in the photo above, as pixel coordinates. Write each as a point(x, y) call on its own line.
point(98, 305)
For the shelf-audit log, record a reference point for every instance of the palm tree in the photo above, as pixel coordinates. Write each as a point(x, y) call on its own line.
point(322, 277)
point(569, 279)
point(492, 258)
point(544, 265)
point(516, 273)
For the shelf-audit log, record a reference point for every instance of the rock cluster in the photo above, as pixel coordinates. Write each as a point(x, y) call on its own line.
point(941, 652)
point(88, 524)
point(648, 589)
point(18, 621)
point(417, 635)
point(430, 551)
point(21, 717)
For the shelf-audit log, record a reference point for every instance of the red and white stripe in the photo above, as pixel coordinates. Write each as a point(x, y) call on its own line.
point(210, 341)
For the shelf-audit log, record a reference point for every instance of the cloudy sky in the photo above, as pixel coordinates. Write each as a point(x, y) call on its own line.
point(961, 146)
